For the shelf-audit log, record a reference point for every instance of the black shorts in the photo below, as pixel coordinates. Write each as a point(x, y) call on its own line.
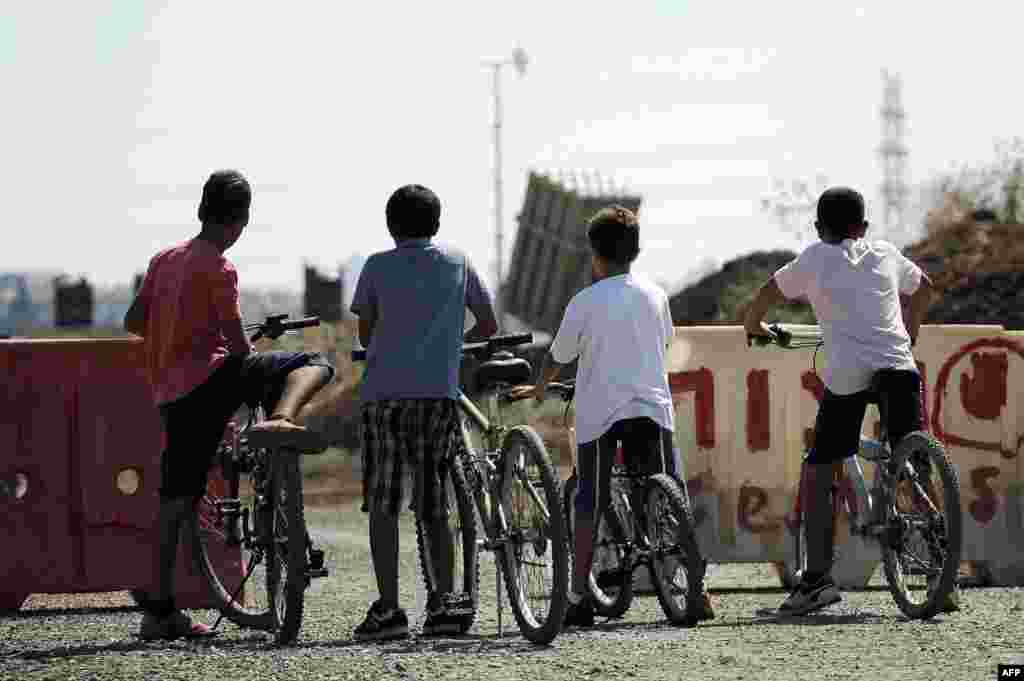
point(647, 449)
point(841, 417)
point(194, 424)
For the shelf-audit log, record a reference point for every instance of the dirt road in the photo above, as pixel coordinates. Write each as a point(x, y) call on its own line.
point(61, 637)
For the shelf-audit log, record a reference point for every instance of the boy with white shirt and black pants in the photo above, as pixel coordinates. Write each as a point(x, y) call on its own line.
point(619, 328)
point(854, 287)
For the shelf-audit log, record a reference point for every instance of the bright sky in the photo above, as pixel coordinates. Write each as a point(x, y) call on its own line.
point(114, 113)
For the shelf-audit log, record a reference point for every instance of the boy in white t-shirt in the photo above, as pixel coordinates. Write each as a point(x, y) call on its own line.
point(854, 287)
point(619, 328)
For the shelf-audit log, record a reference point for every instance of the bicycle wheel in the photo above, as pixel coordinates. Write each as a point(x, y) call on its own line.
point(286, 575)
point(231, 554)
point(611, 574)
point(676, 564)
point(921, 548)
point(454, 557)
point(792, 571)
point(535, 557)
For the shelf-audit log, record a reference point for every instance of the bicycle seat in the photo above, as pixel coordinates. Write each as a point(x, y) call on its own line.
point(502, 369)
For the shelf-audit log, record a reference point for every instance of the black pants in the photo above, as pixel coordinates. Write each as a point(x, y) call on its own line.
point(647, 448)
point(194, 424)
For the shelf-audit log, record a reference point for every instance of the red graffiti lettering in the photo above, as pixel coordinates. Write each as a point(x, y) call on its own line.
point(812, 384)
point(695, 487)
point(752, 501)
point(984, 394)
point(759, 433)
point(972, 394)
point(701, 382)
point(984, 508)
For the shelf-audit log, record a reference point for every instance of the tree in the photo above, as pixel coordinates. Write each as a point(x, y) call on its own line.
point(996, 186)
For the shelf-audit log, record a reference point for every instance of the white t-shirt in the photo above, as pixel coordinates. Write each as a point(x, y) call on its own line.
point(620, 328)
point(854, 288)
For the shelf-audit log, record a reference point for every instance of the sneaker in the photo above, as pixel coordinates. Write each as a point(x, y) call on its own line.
point(580, 614)
point(170, 627)
point(448, 614)
point(951, 603)
point(808, 597)
point(700, 608)
point(381, 625)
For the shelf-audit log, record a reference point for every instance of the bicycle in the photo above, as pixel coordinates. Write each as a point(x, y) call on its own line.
point(658, 535)
point(505, 476)
point(250, 526)
point(904, 509)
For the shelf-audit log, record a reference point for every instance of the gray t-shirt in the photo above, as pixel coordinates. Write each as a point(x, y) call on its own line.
point(416, 296)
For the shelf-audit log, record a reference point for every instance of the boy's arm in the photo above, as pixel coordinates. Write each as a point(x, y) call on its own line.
point(225, 302)
point(549, 369)
point(920, 301)
point(364, 303)
point(138, 313)
point(479, 302)
point(767, 297)
point(563, 350)
point(135, 318)
point(366, 324)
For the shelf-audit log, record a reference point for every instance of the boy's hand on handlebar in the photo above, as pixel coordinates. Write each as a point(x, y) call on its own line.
point(522, 392)
point(758, 330)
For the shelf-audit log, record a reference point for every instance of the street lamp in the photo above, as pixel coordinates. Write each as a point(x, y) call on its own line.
point(519, 60)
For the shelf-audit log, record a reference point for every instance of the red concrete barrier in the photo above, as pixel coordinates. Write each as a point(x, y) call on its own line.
point(80, 443)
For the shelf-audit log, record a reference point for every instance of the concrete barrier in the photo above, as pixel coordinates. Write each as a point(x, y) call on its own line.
point(80, 443)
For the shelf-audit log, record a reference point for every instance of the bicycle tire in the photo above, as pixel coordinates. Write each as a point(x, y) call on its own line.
point(792, 571)
point(613, 594)
point(536, 536)
point(675, 563)
point(290, 538)
point(947, 529)
point(227, 566)
point(462, 528)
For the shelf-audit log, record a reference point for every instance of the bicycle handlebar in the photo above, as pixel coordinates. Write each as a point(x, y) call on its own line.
point(785, 338)
point(482, 347)
point(565, 391)
point(275, 326)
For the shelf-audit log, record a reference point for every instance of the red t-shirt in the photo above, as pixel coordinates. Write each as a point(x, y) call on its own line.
point(190, 298)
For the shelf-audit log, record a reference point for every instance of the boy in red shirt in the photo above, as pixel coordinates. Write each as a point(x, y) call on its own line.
point(202, 369)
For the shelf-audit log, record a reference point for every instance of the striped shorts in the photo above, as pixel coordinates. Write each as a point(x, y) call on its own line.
point(405, 443)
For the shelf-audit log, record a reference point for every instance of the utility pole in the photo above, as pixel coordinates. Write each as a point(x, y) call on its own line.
point(893, 153)
point(519, 60)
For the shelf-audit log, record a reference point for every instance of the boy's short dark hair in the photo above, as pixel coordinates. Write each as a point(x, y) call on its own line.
point(413, 212)
point(226, 199)
point(841, 210)
point(614, 234)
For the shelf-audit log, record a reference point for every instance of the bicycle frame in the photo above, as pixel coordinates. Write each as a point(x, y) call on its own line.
point(486, 487)
point(869, 509)
point(484, 464)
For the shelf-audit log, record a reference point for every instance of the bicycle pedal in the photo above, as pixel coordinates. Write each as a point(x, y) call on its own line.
point(313, 573)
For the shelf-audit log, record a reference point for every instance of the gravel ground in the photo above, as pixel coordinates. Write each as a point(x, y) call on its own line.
point(865, 637)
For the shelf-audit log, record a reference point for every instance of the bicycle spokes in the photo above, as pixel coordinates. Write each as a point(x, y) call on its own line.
point(920, 526)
